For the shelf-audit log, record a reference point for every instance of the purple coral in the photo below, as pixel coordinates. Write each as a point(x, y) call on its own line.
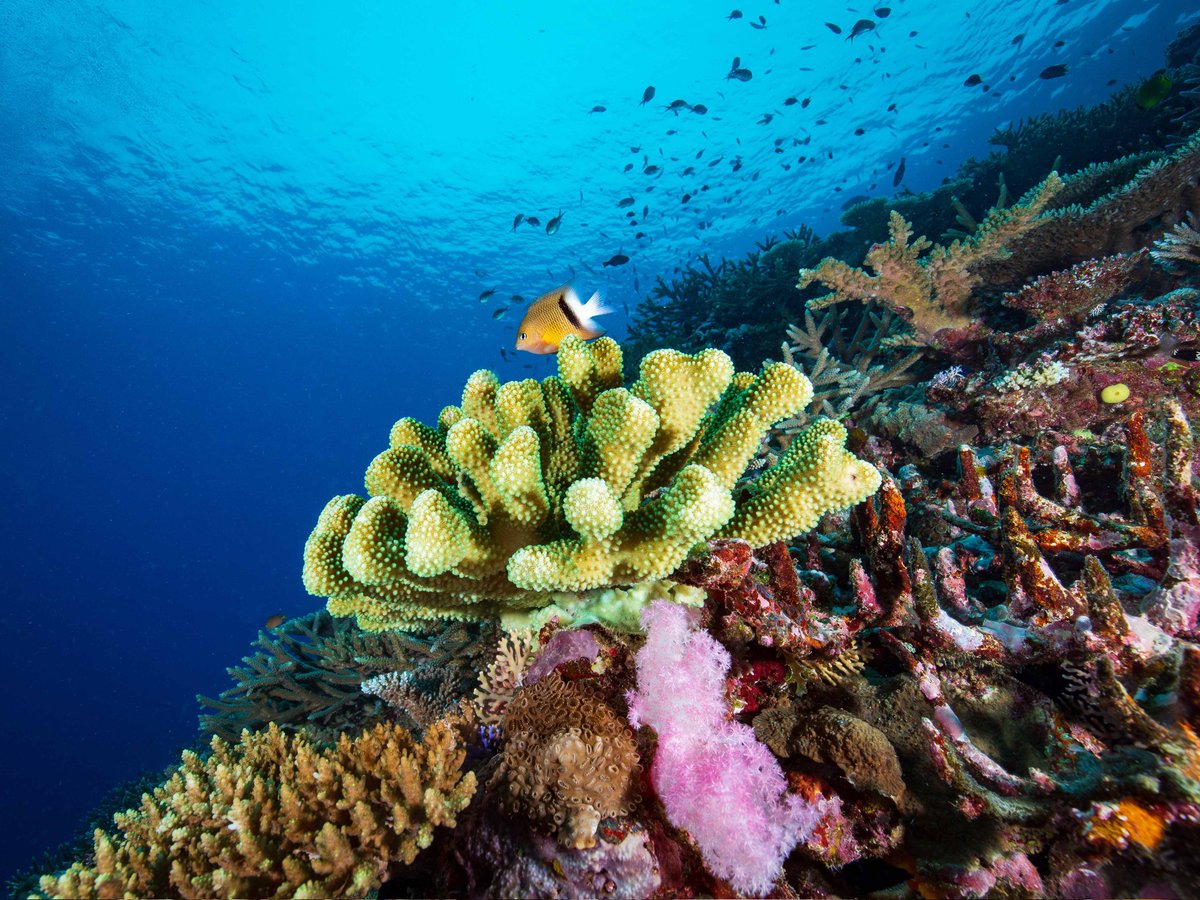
point(713, 776)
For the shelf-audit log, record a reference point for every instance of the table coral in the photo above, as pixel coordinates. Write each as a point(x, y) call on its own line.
point(572, 484)
point(275, 815)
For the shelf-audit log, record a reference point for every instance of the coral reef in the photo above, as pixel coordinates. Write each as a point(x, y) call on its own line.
point(568, 761)
point(309, 672)
point(933, 292)
point(572, 484)
point(713, 777)
point(275, 815)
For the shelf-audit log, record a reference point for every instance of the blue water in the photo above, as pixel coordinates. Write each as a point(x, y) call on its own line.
point(238, 240)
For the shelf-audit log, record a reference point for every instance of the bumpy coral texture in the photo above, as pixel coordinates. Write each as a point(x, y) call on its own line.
point(572, 484)
point(275, 816)
point(568, 761)
point(713, 776)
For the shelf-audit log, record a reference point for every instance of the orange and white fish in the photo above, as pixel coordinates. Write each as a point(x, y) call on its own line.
point(554, 315)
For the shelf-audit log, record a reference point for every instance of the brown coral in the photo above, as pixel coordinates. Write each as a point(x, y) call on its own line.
point(568, 761)
point(274, 815)
point(934, 291)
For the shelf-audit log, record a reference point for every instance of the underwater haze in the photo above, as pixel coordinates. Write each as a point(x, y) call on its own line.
point(239, 240)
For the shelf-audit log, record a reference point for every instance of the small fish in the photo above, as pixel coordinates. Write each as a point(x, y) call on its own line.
point(675, 106)
point(517, 298)
point(760, 24)
point(1016, 42)
point(735, 14)
point(700, 109)
point(650, 170)
point(499, 311)
point(554, 315)
point(554, 224)
point(596, 109)
point(1053, 72)
point(628, 166)
point(486, 295)
point(804, 103)
point(740, 74)
point(625, 201)
point(790, 101)
point(973, 80)
point(274, 621)
point(834, 28)
point(766, 119)
point(1058, 44)
point(860, 131)
point(862, 26)
point(617, 259)
point(479, 273)
point(647, 95)
point(504, 353)
point(883, 12)
point(1152, 91)
point(899, 176)
point(517, 220)
point(533, 220)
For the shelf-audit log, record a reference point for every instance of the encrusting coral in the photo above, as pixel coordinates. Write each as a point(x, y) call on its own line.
point(275, 815)
point(572, 484)
point(568, 760)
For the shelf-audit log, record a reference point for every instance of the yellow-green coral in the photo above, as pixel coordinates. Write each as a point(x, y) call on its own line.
point(934, 291)
point(572, 484)
point(275, 816)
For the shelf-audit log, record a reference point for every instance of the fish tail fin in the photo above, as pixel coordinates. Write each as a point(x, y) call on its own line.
point(595, 306)
point(587, 312)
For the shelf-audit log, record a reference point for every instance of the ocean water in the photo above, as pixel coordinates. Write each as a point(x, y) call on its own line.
point(237, 241)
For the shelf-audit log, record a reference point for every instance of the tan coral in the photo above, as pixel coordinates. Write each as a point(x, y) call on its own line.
point(275, 815)
point(934, 291)
point(568, 761)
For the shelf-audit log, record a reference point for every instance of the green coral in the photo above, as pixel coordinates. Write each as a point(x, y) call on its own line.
point(572, 484)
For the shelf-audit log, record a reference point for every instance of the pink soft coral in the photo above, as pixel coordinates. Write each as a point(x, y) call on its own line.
point(713, 776)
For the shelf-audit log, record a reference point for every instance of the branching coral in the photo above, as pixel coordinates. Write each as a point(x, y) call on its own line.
point(1179, 245)
point(572, 484)
point(308, 673)
point(275, 815)
point(933, 291)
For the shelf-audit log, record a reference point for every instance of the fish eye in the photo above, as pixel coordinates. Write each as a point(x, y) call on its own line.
point(521, 336)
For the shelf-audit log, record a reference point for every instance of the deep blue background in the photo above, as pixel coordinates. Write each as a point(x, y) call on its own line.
point(236, 246)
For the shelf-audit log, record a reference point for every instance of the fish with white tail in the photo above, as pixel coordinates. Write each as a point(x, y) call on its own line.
point(554, 315)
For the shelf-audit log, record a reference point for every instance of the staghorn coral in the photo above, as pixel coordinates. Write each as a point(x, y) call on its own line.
point(842, 365)
point(934, 291)
point(309, 671)
point(274, 815)
point(568, 761)
point(572, 484)
point(418, 701)
point(1179, 245)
